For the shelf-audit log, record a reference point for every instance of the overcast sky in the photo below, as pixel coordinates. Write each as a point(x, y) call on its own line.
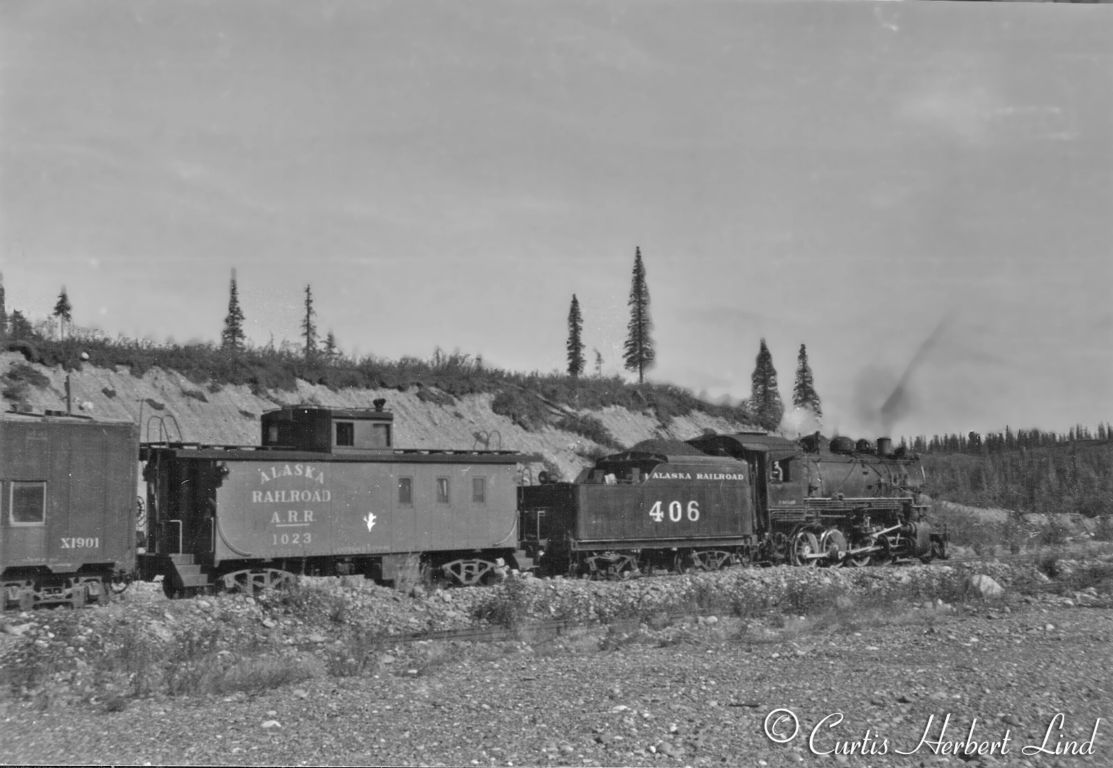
point(911, 189)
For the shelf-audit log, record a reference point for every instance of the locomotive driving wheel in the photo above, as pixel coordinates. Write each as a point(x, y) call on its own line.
point(833, 543)
point(805, 547)
point(883, 555)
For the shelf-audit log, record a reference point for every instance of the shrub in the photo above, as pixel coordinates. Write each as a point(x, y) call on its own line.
point(588, 426)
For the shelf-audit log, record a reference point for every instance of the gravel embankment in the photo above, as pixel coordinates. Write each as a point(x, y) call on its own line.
point(654, 691)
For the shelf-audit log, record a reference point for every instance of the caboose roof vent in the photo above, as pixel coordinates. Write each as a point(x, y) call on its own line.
point(379, 402)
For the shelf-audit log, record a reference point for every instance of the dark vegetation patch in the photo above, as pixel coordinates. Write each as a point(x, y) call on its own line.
point(588, 426)
point(527, 398)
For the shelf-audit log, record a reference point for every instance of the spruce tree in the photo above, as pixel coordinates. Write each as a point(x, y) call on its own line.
point(765, 399)
point(20, 326)
point(331, 352)
point(309, 325)
point(575, 345)
point(639, 353)
point(3, 310)
point(232, 337)
point(63, 310)
point(803, 390)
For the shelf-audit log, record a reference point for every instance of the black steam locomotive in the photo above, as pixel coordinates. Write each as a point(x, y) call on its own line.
point(723, 500)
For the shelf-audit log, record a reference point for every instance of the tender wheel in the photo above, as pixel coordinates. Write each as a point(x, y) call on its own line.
point(612, 565)
point(804, 546)
point(709, 559)
point(833, 543)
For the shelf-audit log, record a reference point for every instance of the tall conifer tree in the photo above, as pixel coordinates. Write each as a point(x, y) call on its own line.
point(3, 310)
point(63, 310)
point(309, 325)
point(765, 398)
point(803, 390)
point(575, 345)
point(232, 337)
point(639, 353)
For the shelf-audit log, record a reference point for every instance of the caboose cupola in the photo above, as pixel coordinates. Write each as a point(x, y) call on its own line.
point(328, 430)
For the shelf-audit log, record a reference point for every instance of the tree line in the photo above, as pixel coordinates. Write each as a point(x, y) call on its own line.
point(1008, 440)
point(639, 354)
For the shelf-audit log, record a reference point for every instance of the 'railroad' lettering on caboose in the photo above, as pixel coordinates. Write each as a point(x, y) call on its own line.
point(275, 471)
point(285, 497)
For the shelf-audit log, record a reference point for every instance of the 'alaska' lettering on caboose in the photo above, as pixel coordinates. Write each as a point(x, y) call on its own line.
point(308, 471)
point(670, 476)
point(284, 497)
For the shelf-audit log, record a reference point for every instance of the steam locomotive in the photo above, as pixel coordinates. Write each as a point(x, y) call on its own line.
point(326, 492)
point(723, 500)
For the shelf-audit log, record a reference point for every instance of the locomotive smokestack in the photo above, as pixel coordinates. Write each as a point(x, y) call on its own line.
point(884, 446)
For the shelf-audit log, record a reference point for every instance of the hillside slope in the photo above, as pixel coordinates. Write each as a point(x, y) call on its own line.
point(169, 406)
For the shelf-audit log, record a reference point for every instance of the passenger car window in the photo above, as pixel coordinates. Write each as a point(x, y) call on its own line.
point(479, 490)
point(405, 490)
point(442, 490)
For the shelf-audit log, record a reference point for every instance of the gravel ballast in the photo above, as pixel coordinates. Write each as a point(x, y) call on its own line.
point(1017, 678)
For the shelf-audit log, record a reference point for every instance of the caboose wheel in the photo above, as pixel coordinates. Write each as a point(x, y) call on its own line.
point(805, 547)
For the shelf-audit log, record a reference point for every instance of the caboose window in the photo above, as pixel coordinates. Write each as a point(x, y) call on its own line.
point(405, 490)
point(380, 435)
point(479, 490)
point(345, 433)
point(28, 503)
point(442, 490)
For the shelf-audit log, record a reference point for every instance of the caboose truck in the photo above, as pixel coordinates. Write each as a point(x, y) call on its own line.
point(67, 508)
point(327, 493)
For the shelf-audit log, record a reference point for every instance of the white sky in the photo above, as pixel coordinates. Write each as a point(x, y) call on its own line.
point(859, 177)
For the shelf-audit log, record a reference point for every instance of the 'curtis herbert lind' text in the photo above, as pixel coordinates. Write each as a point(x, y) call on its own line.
point(782, 726)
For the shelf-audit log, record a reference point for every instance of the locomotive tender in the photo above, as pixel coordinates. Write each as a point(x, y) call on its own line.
point(327, 493)
point(747, 497)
